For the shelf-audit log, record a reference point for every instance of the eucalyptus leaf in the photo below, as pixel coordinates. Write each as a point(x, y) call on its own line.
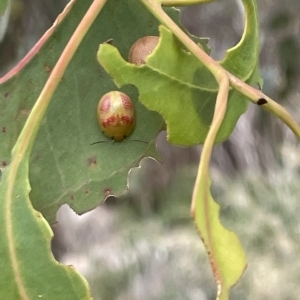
point(28, 268)
point(178, 86)
point(3, 6)
point(64, 166)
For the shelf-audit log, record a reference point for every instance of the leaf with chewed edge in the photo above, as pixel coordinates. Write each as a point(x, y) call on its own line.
point(28, 268)
point(64, 167)
point(179, 87)
point(227, 257)
point(226, 254)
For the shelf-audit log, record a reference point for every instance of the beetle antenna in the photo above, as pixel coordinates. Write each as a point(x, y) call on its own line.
point(100, 142)
point(142, 141)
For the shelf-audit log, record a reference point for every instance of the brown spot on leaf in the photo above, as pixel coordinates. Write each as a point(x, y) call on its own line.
point(48, 69)
point(3, 163)
point(6, 94)
point(36, 157)
point(107, 192)
point(4, 129)
point(72, 197)
point(92, 161)
point(211, 257)
point(22, 112)
point(25, 112)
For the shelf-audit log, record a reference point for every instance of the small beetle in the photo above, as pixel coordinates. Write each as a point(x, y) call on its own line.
point(141, 49)
point(116, 115)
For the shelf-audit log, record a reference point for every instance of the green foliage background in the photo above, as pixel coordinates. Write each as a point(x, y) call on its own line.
point(233, 156)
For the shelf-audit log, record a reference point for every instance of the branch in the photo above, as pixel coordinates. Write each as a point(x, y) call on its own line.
point(259, 98)
point(253, 94)
point(31, 126)
point(183, 2)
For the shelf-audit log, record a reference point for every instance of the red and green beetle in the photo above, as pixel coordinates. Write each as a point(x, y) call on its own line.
point(115, 111)
point(116, 115)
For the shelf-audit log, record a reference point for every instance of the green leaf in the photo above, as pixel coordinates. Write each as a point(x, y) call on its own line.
point(242, 59)
point(64, 167)
point(227, 257)
point(28, 269)
point(3, 6)
point(175, 84)
point(226, 254)
point(178, 86)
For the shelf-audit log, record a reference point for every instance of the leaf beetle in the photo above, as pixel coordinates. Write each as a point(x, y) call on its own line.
point(116, 115)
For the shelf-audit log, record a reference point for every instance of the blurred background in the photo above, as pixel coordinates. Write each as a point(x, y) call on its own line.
point(143, 245)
